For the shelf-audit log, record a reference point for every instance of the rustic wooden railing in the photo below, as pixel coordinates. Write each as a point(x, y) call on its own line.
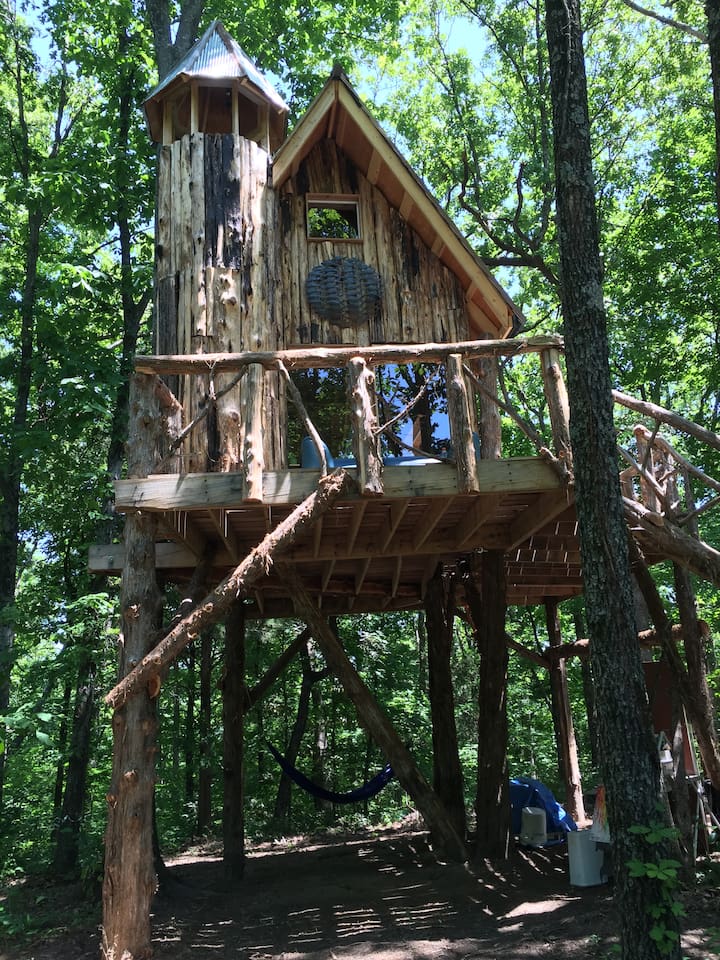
point(360, 363)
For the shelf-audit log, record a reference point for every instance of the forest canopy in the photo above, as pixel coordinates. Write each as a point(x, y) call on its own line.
point(463, 88)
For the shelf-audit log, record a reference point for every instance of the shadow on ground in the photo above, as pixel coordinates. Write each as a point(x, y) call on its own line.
point(380, 895)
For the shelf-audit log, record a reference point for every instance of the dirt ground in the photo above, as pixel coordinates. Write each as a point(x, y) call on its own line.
point(380, 895)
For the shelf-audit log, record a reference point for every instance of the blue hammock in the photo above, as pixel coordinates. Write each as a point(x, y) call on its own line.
point(368, 790)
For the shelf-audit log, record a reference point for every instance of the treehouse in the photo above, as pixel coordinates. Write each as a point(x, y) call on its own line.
point(272, 459)
point(325, 257)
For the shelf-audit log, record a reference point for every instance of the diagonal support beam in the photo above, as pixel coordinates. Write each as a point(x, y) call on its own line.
point(444, 836)
point(217, 603)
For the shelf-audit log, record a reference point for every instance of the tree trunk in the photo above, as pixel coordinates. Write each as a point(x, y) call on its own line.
point(447, 770)
point(485, 592)
point(204, 804)
point(233, 734)
point(444, 837)
point(130, 880)
point(189, 732)
point(281, 813)
point(11, 468)
point(562, 720)
point(712, 12)
point(66, 858)
point(702, 710)
point(695, 705)
point(629, 758)
point(588, 685)
point(62, 743)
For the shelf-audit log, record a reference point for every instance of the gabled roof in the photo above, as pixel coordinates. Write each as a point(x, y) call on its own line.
point(216, 57)
point(337, 114)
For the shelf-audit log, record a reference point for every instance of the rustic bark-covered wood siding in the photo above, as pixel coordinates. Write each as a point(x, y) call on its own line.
point(215, 287)
point(422, 300)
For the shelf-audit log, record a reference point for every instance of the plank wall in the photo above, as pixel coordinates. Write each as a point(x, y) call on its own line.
point(422, 300)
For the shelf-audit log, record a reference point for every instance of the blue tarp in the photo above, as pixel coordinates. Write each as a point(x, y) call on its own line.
point(526, 792)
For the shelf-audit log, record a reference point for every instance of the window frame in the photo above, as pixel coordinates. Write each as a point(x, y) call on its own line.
point(333, 201)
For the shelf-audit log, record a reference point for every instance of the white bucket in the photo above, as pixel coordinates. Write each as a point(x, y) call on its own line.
point(585, 859)
point(533, 832)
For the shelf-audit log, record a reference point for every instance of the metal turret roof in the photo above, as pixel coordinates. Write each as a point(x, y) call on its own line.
point(216, 56)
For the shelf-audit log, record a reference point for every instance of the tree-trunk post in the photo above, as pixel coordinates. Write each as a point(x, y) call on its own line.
point(557, 401)
point(444, 836)
point(701, 709)
point(461, 430)
point(485, 590)
point(253, 457)
point(562, 718)
point(233, 733)
point(447, 770)
point(130, 879)
point(490, 420)
point(366, 443)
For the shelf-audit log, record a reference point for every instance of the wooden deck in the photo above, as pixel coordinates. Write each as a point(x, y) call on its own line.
point(367, 553)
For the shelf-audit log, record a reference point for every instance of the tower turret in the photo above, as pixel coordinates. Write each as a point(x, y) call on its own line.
point(218, 120)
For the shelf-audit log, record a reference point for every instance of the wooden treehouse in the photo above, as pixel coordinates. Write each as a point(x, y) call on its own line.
point(295, 277)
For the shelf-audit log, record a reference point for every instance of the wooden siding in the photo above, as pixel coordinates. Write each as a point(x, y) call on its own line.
point(422, 300)
point(215, 285)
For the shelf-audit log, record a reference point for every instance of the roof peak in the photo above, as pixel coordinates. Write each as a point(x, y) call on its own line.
point(217, 56)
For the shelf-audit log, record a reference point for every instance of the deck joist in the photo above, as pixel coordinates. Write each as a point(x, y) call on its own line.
point(367, 553)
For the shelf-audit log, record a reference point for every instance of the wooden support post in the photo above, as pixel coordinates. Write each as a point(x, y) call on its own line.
point(562, 719)
point(701, 709)
point(490, 423)
point(366, 442)
point(444, 837)
point(460, 425)
point(236, 112)
point(233, 733)
point(194, 108)
point(130, 880)
point(646, 459)
point(217, 603)
point(253, 446)
point(447, 770)
point(558, 405)
point(485, 590)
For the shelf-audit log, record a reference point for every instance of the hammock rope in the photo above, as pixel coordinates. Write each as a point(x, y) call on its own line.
point(365, 792)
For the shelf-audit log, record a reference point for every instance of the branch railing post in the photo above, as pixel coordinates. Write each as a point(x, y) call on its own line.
point(253, 458)
point(558, 404)
point(365, 433)
point(461, 431)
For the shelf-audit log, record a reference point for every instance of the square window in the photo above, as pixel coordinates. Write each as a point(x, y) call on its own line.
point(333, 218)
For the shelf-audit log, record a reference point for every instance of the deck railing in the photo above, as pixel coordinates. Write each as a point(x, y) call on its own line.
point(246, 372)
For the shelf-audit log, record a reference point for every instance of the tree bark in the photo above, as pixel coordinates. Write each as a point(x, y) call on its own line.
point(189, 731)
point(444, 837)
point(712, 12)
point(204, 802)
point(130, 879)
point(11, 466)
point(630, 766)
point(693, 702)
point(168, 52)
point(233, 749)
point(447, 770)
point(66, 857)
point(309, 678)
point(485, 592)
